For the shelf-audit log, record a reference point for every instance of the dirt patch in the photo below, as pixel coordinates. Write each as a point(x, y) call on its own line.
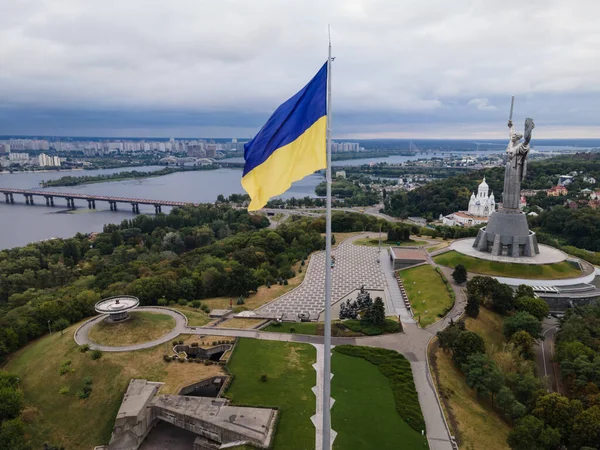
point(240, 322)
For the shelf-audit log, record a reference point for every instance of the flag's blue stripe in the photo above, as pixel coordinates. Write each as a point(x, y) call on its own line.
point(289, 121)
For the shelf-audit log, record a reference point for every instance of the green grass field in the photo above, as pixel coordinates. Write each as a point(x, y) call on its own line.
point(374, 242)
point(141, 327)
point(364, 414)
point(423, 283)
point(64, 419)
point(298, 327)
point(196, 317)
point(290, 377)
point(534, 271)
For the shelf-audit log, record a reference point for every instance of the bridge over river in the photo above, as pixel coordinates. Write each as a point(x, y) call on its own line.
point(29, 195)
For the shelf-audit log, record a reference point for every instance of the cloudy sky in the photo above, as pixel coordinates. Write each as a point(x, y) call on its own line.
point(403, 68)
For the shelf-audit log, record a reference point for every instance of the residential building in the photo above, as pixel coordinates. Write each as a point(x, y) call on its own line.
point(555, 191)
point(48, 161)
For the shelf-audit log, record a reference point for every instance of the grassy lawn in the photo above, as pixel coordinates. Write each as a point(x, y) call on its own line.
point(297, 327)
point(196, 317)
point(141, 327)
point(240, 322)
point(423, 283)
point(64, 419)
point(348, 328)
point(437, 247)
point(290, 377)
point(374, 242)
point(534, 271)
point(474, 422)
point(364, 414)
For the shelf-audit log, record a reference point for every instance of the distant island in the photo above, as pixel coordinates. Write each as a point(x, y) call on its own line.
point(88, 179)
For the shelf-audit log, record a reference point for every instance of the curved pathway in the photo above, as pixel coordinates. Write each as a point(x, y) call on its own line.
point(81, 334)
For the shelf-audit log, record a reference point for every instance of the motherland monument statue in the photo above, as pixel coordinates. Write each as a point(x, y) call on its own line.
point(507, 232)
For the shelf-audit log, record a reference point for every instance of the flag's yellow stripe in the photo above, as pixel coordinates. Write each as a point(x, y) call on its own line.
point(287, 164)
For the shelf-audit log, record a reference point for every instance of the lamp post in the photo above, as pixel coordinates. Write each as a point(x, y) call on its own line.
point(49, 329)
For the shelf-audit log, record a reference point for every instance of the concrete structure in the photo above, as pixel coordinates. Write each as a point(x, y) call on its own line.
point(117, 307)
point(211, 419)
point(548, 255)
point(91, 199)
point(403, 257)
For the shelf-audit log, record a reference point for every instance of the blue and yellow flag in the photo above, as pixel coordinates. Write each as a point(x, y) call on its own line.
point(290, 146)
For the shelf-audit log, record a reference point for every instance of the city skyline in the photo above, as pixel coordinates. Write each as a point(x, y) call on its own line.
point(402, 70)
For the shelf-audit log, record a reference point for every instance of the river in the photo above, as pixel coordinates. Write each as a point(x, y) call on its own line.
point(20, 224)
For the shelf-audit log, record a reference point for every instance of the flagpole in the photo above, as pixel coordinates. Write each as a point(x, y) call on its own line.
point(326, 445)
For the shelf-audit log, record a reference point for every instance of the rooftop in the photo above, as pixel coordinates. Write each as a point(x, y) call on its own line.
point(408, 253)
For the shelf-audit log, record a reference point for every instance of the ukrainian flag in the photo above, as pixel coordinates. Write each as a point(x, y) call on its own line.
point(290, 146)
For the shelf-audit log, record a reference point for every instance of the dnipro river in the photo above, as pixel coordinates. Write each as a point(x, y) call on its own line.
point(21, 224)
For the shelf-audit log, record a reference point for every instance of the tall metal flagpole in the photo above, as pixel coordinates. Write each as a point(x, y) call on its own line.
point(327, 332)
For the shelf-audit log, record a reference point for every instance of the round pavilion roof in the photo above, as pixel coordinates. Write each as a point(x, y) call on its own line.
point(117, 304)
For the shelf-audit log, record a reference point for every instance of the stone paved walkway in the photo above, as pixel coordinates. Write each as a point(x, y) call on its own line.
point(355, 265)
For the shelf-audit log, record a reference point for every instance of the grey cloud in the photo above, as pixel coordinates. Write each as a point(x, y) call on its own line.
point(439, 63)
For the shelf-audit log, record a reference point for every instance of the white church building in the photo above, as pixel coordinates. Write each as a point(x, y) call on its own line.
point(481, 207)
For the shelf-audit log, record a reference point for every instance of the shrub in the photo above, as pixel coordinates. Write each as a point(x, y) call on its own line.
point(240, 301)
point(194, 344)
point(205, 308)
point(161, 302)
point(198, 360)
point(175, 343)
point(397, 369)
point(64, 390)
point(172, 302)
point(96, 355)
point(84, 393)
point(182, 302)
point(84, 348)
point(276, 324)
point(190, 360)
point(88, 380)
point(208, 362)
point(268, 285)
point(285, 282)
point(180, 342)
point(372, 331)
point(263, 378)
point(166, 358)
point(292, 330)
point(196, 304)
point(181, 360)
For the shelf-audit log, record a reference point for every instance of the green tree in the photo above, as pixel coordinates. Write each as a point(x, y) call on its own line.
point(460, 274)
point(558, 412)
point(11, 403)
point(522, 321)
point(375, 315)
point(524, 291)
point(448, 336)
point(472, 308)
point(12, 435)
point(503, 298)
point(468, 343)
point(534, 306)
point(586, 428)
point(482, 375)
point(531, 434)
point(523, 342)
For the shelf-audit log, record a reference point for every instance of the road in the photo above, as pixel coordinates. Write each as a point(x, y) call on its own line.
point(544, 353)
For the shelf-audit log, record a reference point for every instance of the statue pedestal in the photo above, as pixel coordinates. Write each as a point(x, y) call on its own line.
point(507, 234)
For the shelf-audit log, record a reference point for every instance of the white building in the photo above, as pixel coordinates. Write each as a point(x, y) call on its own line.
point(48, 161)
point(18, 156)
point(481, 207)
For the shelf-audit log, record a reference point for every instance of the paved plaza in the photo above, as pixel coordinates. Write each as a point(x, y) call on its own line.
point(355, 265)
point(548, 255)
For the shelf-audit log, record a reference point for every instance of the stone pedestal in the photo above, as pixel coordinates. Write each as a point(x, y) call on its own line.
point(507, 233)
